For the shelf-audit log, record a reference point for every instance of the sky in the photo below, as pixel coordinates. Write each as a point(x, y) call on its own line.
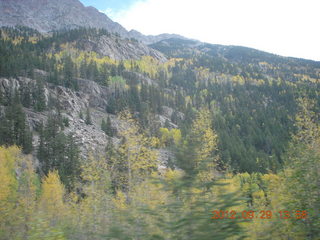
point(284, 27)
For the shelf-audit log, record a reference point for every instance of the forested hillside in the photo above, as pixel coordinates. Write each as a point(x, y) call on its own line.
point(107, 138)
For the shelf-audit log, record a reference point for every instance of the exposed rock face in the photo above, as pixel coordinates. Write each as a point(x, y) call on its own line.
point(119, 49)
point(96, 95)
point(51, 15)
point(91, 139)
point(167, 111)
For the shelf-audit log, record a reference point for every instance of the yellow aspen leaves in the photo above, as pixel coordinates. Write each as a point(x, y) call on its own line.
point(51, 200)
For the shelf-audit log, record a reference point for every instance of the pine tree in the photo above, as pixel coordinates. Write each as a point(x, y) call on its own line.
point(39, 97)
point(81, 115)
point(88, 120)
point(195, 190)
point(107, 127)
point(26, 96)
point(302, 167)
point(69, 73)
point(103, 125)
point(179, 204)
point(14, 128)
point(57, 151)
point(198, 152)
point(1, 96)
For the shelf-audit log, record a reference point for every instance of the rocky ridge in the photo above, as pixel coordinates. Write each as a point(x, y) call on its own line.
point(118, 48)
point(53, 15)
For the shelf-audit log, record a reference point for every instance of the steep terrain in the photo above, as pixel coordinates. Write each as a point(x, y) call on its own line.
point(47, 16)
point(104, 137)
point(53, 15)
point(118, 48)
point(252, 94)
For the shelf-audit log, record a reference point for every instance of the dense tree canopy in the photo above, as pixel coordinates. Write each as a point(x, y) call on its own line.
point(242, 128)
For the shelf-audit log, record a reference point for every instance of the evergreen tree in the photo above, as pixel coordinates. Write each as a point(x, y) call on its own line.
point(58, 152)
point(39, 96)
point(83, 69)
point(107, 127)
point(300, 190)
point(25, 94)
point(121, 68)
point(69, 73)
point(81, 115)
point(111, 107)
point(14, 128)
point(88, 120)
point(103, 125)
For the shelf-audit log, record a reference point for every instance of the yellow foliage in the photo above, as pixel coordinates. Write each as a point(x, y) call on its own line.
point(51, 200)
point(7, 178)
point(238, 79)
point(18, 193)
point(204, 134)
point(94, 170)
point(120, 200)
point(164, 136)
point(148, 193)
point(78, 56)
point(137, 149)
point(146, 64)
point(91, 213)
point(176, 135)
point(173, 174)
point(8, 183)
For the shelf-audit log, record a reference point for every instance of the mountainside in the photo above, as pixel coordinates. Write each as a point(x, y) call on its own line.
point(104, 137)
point(178, 47)
point(47, 16)
point(237, 60)
point(52, 15)
point(150, 39)
point(118, 48)
point(240, 85)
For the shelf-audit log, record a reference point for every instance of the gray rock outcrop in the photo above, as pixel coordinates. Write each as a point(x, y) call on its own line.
point(119, 49)
point(53, 15)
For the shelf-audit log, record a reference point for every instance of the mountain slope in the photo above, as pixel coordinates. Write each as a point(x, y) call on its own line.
point(253, 95)
point(178, 47)
point(150, 39)
point(238, 60)
point(117, 48)
point(46, 16)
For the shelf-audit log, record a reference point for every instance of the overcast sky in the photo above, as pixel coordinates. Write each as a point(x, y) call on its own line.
point(285, 27)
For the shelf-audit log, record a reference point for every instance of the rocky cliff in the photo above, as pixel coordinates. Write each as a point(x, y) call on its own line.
point(53, 15)
point(90, 138)
point(118, 48)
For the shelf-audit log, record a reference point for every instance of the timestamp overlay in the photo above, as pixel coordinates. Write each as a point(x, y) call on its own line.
point(263, 214)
